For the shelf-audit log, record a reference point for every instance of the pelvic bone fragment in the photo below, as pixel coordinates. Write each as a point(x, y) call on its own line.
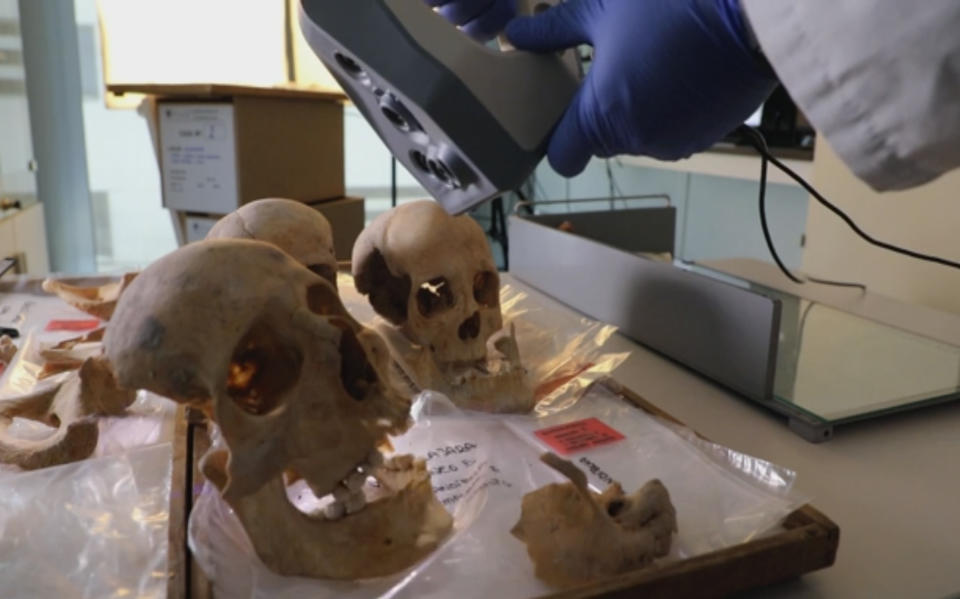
point(7, 351)
point(96, 301)
point(72, 409)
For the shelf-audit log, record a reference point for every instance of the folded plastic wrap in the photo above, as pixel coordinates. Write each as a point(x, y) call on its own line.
point(483, 465)
point(561, 351)
point(92, 529)
point(95, 529)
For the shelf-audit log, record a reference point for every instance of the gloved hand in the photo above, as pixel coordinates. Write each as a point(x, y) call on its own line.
point(669, 77)
point(480, 19)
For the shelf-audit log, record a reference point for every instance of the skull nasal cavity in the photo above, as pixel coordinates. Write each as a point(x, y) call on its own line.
point(262, 370)
point(434, 296)
point(356, 372)
point(470, 329)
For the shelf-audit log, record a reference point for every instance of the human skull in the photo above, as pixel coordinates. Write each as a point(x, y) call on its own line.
point(292, 226)
point(432, 276)
point(294, 383)
point(575, 536)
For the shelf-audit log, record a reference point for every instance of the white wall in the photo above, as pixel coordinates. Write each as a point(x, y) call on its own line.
point(925, 219)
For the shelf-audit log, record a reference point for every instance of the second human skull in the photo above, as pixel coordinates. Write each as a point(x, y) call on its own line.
point(433, 276)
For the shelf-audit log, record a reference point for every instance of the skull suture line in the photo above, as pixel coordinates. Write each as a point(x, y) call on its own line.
point(295, 384)
point(433, 278)
point(292, 226)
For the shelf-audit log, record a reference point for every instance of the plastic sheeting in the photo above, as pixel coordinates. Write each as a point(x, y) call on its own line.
point(95, 529)
point(483, 465)
point(561, 351)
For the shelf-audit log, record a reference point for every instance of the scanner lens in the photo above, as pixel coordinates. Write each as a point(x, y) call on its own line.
point(420, 160)
point(349, 65)
point(394, 117)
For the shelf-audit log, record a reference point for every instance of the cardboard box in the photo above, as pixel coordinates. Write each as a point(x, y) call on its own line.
point(222, 146)
point(346, 216)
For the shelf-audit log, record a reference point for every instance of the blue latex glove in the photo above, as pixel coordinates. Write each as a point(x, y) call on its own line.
point(480, 19)
point(669, 77)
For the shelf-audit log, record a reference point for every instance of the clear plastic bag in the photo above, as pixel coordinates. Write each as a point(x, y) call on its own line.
point(91, 530)
point(482, 466)
point(562, 352)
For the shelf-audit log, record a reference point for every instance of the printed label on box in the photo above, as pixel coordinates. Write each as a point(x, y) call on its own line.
point(577, 436)
point(199, 162)
point(77, 326)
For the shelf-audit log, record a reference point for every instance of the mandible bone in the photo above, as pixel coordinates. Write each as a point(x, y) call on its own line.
point(575, 536)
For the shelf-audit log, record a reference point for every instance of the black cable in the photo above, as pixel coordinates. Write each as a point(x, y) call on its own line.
point(393, 181)
point(757, 141)
point(763, 220)
point(527, 204)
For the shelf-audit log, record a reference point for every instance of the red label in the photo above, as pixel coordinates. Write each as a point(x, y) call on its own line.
point(578, 436)
point(73, 325)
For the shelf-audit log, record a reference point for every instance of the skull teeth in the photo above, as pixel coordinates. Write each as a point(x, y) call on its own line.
point(335, 510)
point(348, 495)
point(355, 481)
point(356, 503)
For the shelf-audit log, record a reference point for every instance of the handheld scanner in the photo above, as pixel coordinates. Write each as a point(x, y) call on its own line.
point(470, 122)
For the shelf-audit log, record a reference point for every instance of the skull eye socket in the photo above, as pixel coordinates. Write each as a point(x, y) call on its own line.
point(470, 328)
point(261, 370)
point(435, 296)
point(388, 294)
point(486, 289)
point(357, 374)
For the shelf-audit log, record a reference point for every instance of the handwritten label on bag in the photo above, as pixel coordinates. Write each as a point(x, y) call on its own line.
point(578, 436)
point(457, 472)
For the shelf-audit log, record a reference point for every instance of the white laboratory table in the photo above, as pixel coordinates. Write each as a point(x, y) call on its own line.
point(891, 484)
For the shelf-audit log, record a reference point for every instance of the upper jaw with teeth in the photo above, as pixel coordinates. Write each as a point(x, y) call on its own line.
point(495, 383)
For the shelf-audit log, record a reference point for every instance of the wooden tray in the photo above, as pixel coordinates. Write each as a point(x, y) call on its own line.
point(807, 542)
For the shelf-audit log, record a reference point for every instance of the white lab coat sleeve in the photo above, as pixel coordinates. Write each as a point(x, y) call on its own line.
point(879, 78)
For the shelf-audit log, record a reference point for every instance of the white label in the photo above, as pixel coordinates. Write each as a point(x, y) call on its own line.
point(199, 157)
point(197, 228)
